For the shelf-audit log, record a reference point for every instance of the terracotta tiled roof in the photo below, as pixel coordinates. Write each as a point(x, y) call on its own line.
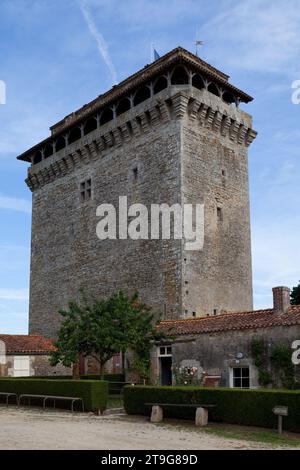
point(27, 344)
point(232, 321)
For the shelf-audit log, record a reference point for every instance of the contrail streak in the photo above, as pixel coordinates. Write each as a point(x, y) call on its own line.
point(102, 46)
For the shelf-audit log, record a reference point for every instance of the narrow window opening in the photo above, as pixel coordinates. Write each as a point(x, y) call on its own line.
point(219, 214)
point(135, 173)
point(86, 190)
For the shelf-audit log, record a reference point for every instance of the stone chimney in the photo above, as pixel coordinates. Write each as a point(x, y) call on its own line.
point(281, 299)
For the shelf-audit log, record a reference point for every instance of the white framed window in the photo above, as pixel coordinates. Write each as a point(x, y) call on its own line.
point(164, 351)
point(240, 377)
point(21, 366)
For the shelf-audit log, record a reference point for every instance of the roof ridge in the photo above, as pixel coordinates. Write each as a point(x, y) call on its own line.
point(218, 316)
point(23, 334)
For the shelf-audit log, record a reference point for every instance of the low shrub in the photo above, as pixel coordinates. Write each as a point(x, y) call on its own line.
point(234, 406)
point(106, 377)
point(93, 392)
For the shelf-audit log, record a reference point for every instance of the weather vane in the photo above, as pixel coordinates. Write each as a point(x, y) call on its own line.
point(198, 43)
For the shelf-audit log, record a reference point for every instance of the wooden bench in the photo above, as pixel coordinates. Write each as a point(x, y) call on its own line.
point(8, 395)
point(201, 415)
point(52, 397)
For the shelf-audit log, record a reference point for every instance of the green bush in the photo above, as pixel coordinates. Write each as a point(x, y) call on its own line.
point(107, 377)
point(93, 392)
point(235, 406)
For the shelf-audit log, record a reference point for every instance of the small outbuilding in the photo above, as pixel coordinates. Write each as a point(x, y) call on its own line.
point(241, 350)
point(27, 355)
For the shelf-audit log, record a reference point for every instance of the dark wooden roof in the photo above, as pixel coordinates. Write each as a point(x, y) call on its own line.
point(176, 56)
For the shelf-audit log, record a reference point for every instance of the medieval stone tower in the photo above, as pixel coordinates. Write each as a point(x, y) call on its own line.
point(171, 133)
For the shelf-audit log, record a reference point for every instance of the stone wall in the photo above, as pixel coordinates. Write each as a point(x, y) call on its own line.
point(39, 366)
point(215, 173)
point(216, 354)
point(178, 142)
point(66, 253)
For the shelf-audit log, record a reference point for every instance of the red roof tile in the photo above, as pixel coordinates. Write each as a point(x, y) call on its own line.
point(232, 321)
point(27, 344)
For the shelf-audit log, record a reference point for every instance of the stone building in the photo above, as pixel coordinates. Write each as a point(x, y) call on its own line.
point(27, 355)
point(218, 350)
point(171, 133)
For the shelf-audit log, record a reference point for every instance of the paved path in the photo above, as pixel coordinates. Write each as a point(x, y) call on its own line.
point(32, 428)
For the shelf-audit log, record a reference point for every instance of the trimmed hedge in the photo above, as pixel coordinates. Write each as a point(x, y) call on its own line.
point(116, 382)
point(93, 392)
point(107, 377)
point(235, 406)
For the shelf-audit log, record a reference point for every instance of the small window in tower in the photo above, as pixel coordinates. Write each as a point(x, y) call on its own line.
point(86, 190)
point(135, 173)
point(219, 214)
point(223, 173)
point(215, 311)
point(194, 314)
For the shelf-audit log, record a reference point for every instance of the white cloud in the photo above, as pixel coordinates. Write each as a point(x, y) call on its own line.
point(15, 204)
point(14, 294)
point(101, 44)
point(257, 35)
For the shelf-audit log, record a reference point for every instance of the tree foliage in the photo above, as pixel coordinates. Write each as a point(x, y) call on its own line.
point(295, 295)
point(105, 327)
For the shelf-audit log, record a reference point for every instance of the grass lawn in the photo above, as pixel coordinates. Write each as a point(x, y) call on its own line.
point(247, 433)
point(265, 436)
point(115, 402)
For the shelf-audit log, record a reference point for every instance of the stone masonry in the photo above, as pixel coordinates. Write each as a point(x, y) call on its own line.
point(183, 143)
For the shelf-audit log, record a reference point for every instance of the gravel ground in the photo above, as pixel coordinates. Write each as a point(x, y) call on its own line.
point(31, 428)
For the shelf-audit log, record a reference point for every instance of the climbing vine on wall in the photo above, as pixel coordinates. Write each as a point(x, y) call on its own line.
point(259, 353)
point(282, 363)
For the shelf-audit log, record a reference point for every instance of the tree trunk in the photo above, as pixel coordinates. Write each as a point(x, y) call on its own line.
point(76, 374)
point(123, 362)
point(101, 367)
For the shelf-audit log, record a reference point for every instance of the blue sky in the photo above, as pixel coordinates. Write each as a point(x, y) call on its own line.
point(53, 63)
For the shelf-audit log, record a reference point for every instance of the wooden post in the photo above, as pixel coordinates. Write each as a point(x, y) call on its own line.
point(280, 411)
point(279, 424)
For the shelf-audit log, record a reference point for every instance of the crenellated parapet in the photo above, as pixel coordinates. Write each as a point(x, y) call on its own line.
point(176, 103)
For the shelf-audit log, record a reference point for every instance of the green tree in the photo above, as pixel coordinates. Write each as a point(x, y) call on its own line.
point(103, 328)
point(143, 333)
point(295, 295)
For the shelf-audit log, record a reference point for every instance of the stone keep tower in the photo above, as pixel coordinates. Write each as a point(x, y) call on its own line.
point(171, 133)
